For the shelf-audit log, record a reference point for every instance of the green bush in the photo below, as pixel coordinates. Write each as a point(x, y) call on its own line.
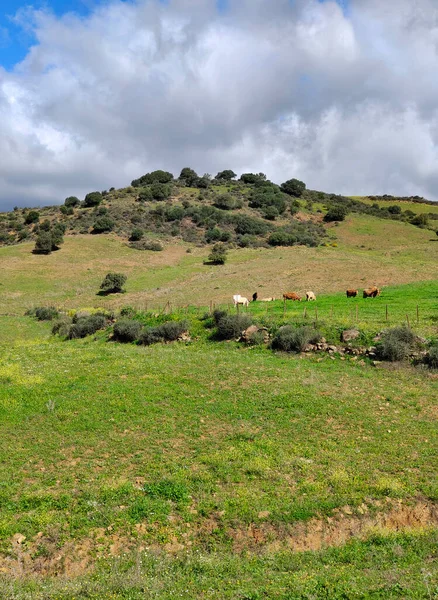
point(93, 199)
point(226, 202)
point(113, 283)
point(229, 327)
point(396, 344)
point(295, 339)
point(61, 327)
point(226, 175)
point(218, 255)
point(154, 177)
point(160, 191)
point(166, 332)
point(33, 216)
point(145, 195)
point(293, 187)
point(189, 177)
point(335, 213)
point(43, 243)
point(136, 234)
point(66, 210)
point(86, 326)
point(45, 313)
point(126, 331)
point(103, 225)
point(71, 201)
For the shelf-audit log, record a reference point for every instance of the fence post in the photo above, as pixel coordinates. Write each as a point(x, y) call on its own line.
point(407, 319)
point(211, 306)
point(386, 312)
point(305, 313)
point(418, 315)
point(357, 312)
point(316, 313)
point(284, 307)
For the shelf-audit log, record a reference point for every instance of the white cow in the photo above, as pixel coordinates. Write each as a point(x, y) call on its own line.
point(238, 299)
point(266, 299)
point(310, 296)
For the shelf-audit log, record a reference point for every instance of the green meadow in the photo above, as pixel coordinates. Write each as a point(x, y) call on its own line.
point(208, 469)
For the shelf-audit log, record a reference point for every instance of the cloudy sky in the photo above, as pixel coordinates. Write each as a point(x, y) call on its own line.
point(341, 94)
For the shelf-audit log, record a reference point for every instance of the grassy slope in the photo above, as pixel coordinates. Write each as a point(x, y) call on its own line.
point(370, 251)
point(416, 207)
point(241, 445)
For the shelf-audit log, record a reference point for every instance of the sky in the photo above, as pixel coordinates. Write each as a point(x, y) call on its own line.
point(340, 94)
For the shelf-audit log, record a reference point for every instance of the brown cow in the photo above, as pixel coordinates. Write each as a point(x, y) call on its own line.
point(291, 296)
point(371, 292)
point(351, 293)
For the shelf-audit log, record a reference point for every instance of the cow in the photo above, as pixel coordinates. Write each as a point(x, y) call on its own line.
point(291, 296)
point(238, 299)
point(310, 296)
point(267, 299)
point(351, 293)
point(371, 292)
point(255, 296)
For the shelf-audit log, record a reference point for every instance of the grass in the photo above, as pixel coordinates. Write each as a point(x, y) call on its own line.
point(416, 207)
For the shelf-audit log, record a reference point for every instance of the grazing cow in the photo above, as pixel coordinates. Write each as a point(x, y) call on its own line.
point(310, 296)
point(238, 299)
point(291, 296)
point(351, 293)
point(371, 292)
point(255, 296)
point(266, 299)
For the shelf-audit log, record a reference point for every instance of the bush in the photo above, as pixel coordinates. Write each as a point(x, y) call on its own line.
point(166, 332)
point(136, 234)
point(154, 177)
point(113, 283)
point(71, 201)
point(396, 344)
point(335, 213)
point(291, 339)
point(230, 327)
point(86, 326)
point(66, 210)
point(147, 245)
point(103, 224)
point(189, 177)
point(218, 255)
point(160, 191)
point(93, 199)
point(226, 175)
point(293, 187)
point(432, 357)
point(127, 330)
point(253, 178)
point(45, 313)
point(61, 327)
point(43, 243)
point(33, 216)
point(145, 195)
point(226, 202)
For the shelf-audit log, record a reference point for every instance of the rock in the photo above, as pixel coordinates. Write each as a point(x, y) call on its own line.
point(323, 340)
point(350, 334)
point(332, 348)
point(247, 335)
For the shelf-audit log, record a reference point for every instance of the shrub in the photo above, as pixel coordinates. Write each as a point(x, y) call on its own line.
point(253, 178)
point(46, 313)
point(127, 330)
point(225, 202)
point(270, 213)
point(145, 195)
point(86, 326)
point(291, 339)
point(93, 199)
point(66, 210)
point(113, 283)
point(33, 216)
point(61, 327)
point(45, 225)
point(247, 225)
point(147, 245)
point(160, 191)
point(136, 234)
point(218, 255)
point(293, 187)
point(71, 201)
point(230, 327)
point(226, 175)
point(103, 224)
point(335, 213)
point(43, 243)
point(420, 221)
point(154, 177)
point(396, 344)
point(166, 332)
point(189, 177)
point(432, 357)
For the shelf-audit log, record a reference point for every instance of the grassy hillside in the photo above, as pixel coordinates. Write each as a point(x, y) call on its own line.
point(210, 469)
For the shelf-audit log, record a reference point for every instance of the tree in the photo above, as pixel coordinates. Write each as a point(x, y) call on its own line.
point(136, 234)
point(218, 254)
point(293, 187)
point(226, 175)
point(145, 195)
point(160, 191)
point(43, 244)
point(252, 177)
point(93, 199)
point(335, 213)
point(49, 239)
point(113, 283)
point(189, 177)
point(154, 177)
point(71, 201)
point(33, 216)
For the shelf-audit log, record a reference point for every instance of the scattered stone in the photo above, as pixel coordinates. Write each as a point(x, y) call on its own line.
point(350, 334)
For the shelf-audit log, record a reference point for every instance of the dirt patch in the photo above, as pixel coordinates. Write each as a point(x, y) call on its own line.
point(319, 533)
point(43, 555)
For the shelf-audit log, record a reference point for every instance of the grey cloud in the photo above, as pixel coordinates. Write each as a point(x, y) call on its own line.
point(348, 103)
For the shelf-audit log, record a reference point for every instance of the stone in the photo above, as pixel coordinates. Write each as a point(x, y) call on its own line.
point(349, 335)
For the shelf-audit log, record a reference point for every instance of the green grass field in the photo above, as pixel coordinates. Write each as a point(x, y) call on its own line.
point(210, 469)
point(416, 207)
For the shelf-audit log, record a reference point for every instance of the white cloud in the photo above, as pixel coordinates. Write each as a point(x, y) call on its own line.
point(346, 102)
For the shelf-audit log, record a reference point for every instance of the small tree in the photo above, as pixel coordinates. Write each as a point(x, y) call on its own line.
point(93, 199)
point(218, 255)
point(145, 195)
point(253, 177)
point(189, 177)
point(33, 216)
point(335, 213)
point(113, 283)
point(136, 234)
point(71, 201)
point(226, 175)
point(293, 187)
point(103, 225)
point(160, 191)
point(43, 244)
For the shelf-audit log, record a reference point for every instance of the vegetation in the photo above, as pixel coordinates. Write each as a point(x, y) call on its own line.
point(295, 339)
point(396, 343)
point(218, 255)
point(113, 283)
point(92, 199)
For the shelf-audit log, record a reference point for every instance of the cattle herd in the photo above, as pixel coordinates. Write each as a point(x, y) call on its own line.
point(371, 292)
